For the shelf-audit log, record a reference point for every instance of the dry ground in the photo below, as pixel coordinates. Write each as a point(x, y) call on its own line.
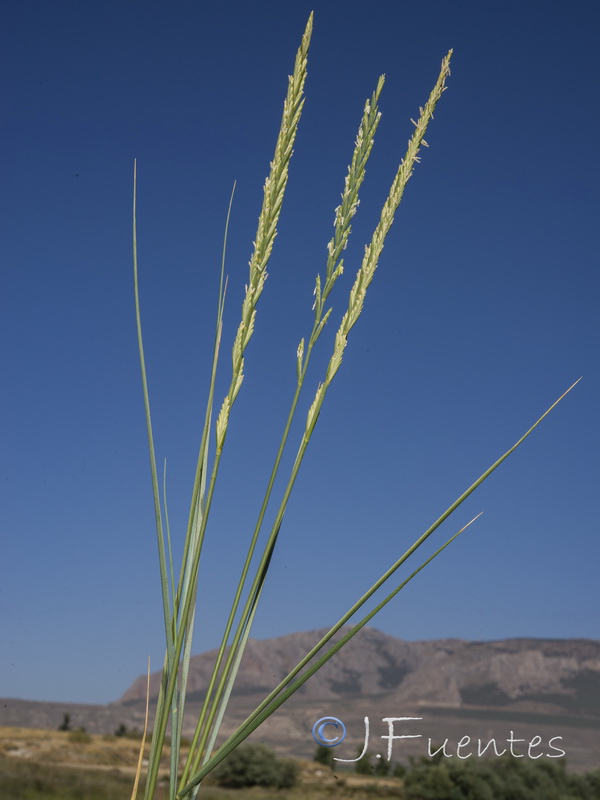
point(114, 756)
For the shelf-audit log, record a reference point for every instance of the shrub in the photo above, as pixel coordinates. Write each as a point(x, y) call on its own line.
point(504, 779)
point(324, 755)
point(256, 765)
point(364, 766)
point(399, 770)
point(65, 725)
point(80, 736)
point(428, 783)
point(382, 767)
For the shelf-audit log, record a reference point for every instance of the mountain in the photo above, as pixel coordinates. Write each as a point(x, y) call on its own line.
point(546, 689)
point(546, 675)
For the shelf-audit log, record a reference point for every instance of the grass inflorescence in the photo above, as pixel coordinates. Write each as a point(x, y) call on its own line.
point(179, 594)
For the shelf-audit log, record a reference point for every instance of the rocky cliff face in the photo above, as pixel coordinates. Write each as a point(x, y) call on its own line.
point(535, 674)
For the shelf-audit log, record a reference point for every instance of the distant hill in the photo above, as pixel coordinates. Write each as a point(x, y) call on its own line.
point(543, 675)
point(546, 687)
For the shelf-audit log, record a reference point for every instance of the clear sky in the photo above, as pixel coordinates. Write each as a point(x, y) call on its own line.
point(484, 309)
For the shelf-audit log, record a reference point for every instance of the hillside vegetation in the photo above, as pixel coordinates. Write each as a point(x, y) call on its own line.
point(73, 765)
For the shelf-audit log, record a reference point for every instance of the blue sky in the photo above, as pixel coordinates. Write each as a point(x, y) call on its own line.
point(483, 310)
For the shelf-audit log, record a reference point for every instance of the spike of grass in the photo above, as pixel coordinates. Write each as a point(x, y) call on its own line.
point(179, 601)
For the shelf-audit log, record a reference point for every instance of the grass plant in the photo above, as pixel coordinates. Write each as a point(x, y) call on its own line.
point(179, 587)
